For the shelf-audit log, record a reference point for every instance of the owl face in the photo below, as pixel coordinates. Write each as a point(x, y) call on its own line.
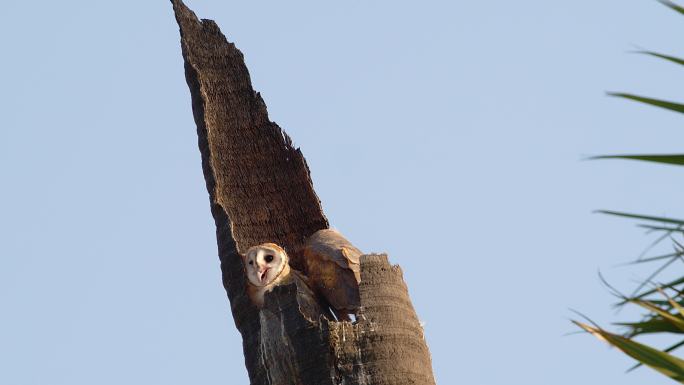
point(263, 263)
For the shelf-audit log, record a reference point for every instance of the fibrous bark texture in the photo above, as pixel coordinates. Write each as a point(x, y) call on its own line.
point(260, 191)
point(386, 346)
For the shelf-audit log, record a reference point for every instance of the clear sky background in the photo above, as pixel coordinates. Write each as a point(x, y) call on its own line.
point(448, 133)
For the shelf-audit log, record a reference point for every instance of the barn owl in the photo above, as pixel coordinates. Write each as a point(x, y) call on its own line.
point(332, 266)
point(266, 267)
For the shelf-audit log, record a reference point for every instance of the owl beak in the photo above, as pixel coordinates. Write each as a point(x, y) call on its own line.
point(262, 274)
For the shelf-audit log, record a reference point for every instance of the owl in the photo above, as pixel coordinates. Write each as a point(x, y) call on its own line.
point(332, 265)
point(266, 267)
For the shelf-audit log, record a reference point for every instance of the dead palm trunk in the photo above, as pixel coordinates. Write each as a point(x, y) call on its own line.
point(260, 191)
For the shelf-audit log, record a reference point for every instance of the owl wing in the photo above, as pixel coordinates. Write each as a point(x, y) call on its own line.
point(333, 266)
point(332, 246)
point(351, 255)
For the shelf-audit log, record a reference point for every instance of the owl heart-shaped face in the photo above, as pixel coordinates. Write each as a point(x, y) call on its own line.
point(263, 263)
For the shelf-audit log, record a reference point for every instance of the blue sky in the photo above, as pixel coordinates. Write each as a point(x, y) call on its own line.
point(448, 133)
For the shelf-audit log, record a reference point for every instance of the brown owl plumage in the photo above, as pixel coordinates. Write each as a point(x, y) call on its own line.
point(332, 266)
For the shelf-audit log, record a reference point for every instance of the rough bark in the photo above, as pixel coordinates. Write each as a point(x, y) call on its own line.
point(260, 191)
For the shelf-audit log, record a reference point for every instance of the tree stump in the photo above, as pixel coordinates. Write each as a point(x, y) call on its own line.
point(260, 190)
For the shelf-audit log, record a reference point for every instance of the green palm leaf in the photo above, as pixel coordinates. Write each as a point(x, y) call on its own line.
point(650, 326)
point(665, 363)
point(668, 285)
point(672, 5)
point(674, 159)
point(672, 59)
point(643, 217)
point(664, 316)
point(676, 321)
point(672, 106)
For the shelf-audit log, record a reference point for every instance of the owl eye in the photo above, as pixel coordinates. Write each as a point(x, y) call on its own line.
point(268, 258)
point(251, 262)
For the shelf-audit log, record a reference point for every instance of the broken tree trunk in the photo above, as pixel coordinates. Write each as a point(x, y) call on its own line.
point(260, 191)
